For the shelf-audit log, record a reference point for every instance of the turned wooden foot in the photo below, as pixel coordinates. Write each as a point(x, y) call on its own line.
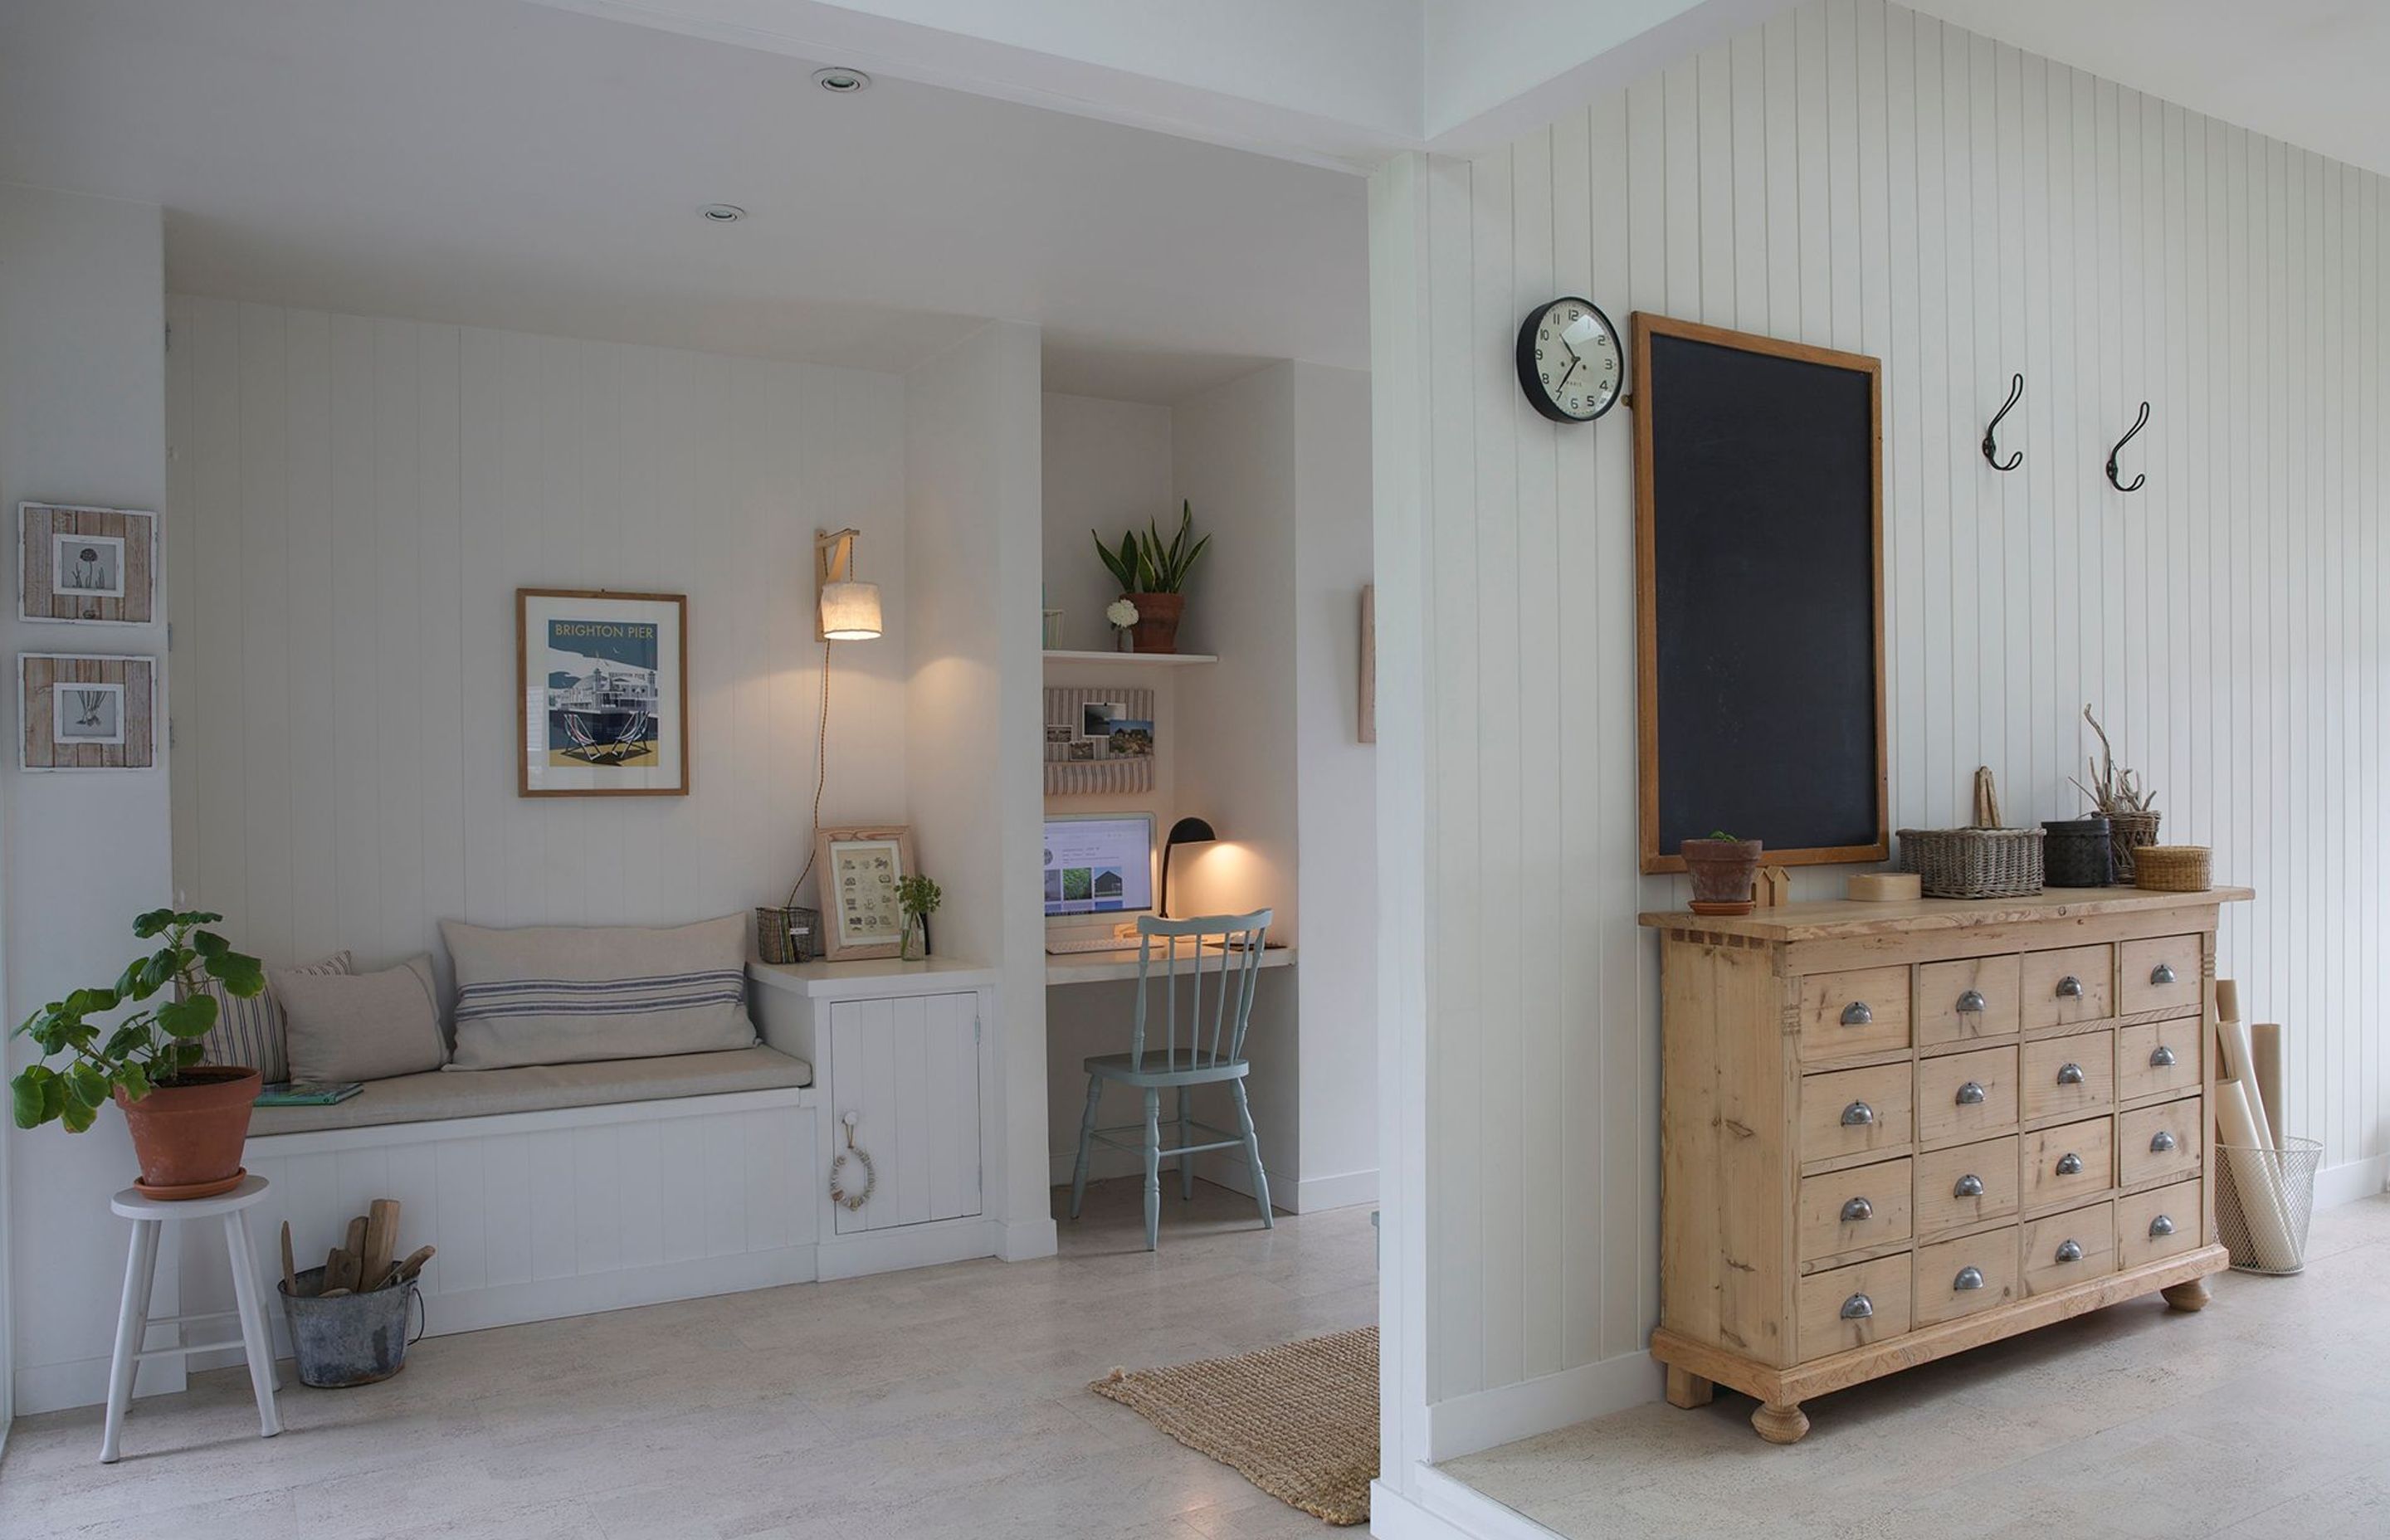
point(1779, 1424)
point(2183, 1296)
point(1687, 1389)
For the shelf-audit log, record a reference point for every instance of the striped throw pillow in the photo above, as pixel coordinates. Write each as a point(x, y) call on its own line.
point(551, 994)
point(251, 1031)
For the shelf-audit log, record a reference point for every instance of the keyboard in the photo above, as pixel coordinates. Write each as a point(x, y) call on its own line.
point(1091, 944)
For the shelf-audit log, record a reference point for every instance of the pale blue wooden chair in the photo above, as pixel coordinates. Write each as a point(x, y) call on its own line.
point(1229, 949)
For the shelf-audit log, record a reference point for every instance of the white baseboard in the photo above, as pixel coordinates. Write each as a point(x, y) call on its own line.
point(2351, 1180)
point(1467, 1423)
point(1445, 1509)
point(83, 1381)
point(931, 1245)
point(1027, 1239)
point(1348, 1191)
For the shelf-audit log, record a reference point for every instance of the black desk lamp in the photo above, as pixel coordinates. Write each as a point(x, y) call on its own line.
point(1186, 831)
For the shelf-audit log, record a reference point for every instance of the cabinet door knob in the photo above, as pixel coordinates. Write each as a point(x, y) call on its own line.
point(1857, 1209)
point(2161, 1143)
point(1859, 1307)
point(1858, 1114)
point(1969, 1277)
point(1857, 1014)
point(2162, 974)
point(1970, 1185)
point(1971, 1002)
point(2161, 1058)
point(2071, 987)
point(2161, 1226)
point(2069, 1252)
point(2070, 1164)
point(1971, 1094)
point(2070, 1074)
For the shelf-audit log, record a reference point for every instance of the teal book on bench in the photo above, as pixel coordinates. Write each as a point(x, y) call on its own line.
point(307, 1093)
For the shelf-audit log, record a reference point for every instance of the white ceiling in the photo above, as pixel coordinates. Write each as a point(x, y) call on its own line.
point(2309, 72)
point(495, 163)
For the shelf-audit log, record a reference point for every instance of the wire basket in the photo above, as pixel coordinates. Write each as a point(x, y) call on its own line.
point(2264, 1199)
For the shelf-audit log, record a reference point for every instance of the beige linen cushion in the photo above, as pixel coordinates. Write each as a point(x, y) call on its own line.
point(362, 1026)
point(251, 1031)
point(559, 995)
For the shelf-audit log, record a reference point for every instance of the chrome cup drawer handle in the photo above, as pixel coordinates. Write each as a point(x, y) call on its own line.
point(1857, 1209)
point(2161, 1058)
point(1859, 1307)
point(2162, 1143)
point(2070, 1165)
point(2069, 1252)
point(2161, 1226)
point(2162, 974)
point(2071, 987)
point(1971, 1094)
point(2070, 1074)
point(1857, 1014)
point(1970, 1185)
point(1969, 1277)
point(1858, 1114)
point(1972, 1002)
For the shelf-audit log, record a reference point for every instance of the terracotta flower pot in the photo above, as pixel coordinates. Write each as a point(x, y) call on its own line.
point(1157, 621)
point(189, 1135)
point(1722, 871)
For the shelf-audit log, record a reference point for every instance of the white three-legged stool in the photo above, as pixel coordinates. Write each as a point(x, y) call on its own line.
point(150, 1216)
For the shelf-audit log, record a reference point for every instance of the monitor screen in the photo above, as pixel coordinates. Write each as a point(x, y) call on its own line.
point(1101, 865)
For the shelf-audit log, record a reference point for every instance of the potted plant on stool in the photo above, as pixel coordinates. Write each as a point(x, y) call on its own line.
point(189, 1120)
point(1723, 868)
point(1154, 576)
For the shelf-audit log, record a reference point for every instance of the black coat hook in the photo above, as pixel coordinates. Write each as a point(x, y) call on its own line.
point(1991, 449)
point(2139, 423)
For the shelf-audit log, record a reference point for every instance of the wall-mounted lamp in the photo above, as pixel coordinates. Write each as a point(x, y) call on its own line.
point(1186, 831)
point(847, 610)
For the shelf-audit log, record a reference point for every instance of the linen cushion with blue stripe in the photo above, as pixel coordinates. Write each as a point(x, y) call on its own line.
point(253, 1032)
point(571, 995)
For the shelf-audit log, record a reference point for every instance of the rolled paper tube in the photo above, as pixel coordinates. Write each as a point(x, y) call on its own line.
point(2232, 1038)
point(2266, 1057)
point(2227, 999)
point(2264, 1212)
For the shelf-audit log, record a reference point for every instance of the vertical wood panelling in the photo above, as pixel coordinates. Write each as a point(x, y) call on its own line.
point(359, 500)
point(1854, 175)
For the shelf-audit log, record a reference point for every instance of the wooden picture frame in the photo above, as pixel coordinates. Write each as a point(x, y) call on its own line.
point(860, 868)
point(86, 566)
point(604, 712)
point(76, 712)
point(1647, 407)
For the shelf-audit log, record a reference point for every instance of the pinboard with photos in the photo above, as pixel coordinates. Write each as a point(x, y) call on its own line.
point(1099, 739)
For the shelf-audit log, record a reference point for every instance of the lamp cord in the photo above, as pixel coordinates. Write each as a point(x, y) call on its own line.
point(821, 775)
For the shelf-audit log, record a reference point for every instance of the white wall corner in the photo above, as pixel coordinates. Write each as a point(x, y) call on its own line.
point(1486, 1420)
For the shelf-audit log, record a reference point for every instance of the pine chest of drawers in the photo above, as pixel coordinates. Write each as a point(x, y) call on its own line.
point(1892, 1132)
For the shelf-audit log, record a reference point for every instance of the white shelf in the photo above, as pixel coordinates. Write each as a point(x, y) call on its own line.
point(871, 978)
point(1146, 660)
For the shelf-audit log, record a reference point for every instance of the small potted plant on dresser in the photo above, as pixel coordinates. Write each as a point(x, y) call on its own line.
point(1153, 578)
point(1723, 870)
point(189, 1120)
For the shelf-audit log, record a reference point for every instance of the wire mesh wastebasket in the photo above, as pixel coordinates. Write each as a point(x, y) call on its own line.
point(2263, 1202)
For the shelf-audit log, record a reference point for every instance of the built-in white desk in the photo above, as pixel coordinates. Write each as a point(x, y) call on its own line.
point(1092, 967)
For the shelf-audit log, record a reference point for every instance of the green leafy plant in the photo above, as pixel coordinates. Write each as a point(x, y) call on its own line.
point(150, 1048)
point(1721, 834)
point(918, 895)
point(1143, 564)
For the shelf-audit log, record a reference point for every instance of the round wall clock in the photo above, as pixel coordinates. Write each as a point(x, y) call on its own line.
point(1570, 363)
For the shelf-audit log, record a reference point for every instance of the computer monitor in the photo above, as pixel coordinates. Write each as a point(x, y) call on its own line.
point(1098, 865)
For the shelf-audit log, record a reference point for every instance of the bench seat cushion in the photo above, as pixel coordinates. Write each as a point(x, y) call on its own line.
point(435, 1094)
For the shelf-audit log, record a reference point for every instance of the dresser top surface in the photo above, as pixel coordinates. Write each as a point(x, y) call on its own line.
point(1842, 917)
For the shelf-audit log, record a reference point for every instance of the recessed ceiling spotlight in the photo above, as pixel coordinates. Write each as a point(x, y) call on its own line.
point(723, 213)
point(842, 82)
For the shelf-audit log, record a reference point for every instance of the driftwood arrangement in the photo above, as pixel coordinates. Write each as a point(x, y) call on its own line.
point(363, 1264)
point(2113, 791)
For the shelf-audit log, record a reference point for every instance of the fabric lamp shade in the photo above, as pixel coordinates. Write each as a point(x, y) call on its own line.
point(850, 611)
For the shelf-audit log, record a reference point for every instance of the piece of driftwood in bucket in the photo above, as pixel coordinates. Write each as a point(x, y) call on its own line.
point(2127, 803)
point(1982, 862)
point(381, 1240)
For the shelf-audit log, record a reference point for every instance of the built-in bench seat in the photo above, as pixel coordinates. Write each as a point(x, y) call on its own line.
point(440, 1095)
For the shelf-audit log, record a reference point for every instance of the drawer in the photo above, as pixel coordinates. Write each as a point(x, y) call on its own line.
point(2074, 984)
point(1851, 1211)
point(1851, 1307)
point(1852, 1111)
point(1966, 1095)
point(2073, 1160)
point(2155, 1225)
point(2070, 1074)
point(1958, 1277)
point(2070, 1247)
point(2155, 1144)
point(1958, 1002)
point(2157, 1056)
point(1863, 1011)
point(1966, 1184)
point(2161, 974)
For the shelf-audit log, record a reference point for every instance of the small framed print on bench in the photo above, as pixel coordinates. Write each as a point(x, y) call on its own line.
point(860, 868)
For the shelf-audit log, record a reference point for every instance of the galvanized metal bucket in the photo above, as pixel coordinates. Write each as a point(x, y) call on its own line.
point(350, 1339)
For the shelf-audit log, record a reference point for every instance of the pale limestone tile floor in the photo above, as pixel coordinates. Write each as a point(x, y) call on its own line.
point(948, 1401)
point(2266, 1415)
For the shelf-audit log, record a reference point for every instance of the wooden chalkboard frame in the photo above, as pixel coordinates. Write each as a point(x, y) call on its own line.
point(1646, 405)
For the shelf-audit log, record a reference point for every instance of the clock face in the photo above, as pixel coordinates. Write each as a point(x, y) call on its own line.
point(1570, 363)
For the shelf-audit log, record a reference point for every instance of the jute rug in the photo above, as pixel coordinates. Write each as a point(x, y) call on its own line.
point(1299, 1421)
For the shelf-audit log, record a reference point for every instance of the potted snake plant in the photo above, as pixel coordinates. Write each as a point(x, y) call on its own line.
point(1152, 577)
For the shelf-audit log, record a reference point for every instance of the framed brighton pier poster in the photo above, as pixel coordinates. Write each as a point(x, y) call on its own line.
point(602, 686)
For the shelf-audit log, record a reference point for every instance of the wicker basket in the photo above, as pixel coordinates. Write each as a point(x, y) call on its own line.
point(2128, 832)
point(2173, 868)
point(787, 934)
point(1974, 863)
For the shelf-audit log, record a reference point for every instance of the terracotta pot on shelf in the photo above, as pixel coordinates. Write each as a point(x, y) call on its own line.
point(189, 1135)
point(1157, 621)
point(1723, 871)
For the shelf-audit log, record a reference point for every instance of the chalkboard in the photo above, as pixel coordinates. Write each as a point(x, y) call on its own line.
point(1759, 557)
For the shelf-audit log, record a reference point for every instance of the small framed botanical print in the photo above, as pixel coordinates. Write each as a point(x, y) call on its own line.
point(601, 686)
point(86, 713)
point(860, 868)
point(92, 565)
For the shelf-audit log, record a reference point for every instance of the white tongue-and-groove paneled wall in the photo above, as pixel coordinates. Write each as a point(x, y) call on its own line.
point(351, 506)
point(1855, 175)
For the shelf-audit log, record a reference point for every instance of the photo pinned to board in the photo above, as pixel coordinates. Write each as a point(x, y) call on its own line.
point(1107, 731)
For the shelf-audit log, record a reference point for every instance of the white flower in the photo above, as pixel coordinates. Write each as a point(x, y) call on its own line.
point(1120, 613)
